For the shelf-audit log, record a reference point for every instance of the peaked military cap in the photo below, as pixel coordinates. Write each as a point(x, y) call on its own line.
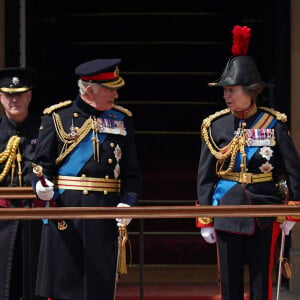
point(102, 71)
point(17, 80)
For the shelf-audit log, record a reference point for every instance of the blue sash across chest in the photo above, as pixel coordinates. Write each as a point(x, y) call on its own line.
point(84, 150)
point(262, 121)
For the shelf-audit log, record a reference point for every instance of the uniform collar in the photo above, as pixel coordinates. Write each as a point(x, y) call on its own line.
point(247, 113)
point(84, 107)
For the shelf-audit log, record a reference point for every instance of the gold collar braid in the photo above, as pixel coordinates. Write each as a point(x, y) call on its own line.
point(11, 154)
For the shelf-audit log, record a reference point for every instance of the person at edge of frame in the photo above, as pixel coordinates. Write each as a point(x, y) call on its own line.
point(20, 239)
point(86, 149)
point(246, 149)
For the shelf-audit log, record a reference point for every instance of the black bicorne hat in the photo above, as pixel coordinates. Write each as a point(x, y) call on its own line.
point(240, 69)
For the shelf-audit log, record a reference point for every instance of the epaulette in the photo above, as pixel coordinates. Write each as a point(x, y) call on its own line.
point(207, 121)
point(54, 107)
point(279, 116)
point(122, 109)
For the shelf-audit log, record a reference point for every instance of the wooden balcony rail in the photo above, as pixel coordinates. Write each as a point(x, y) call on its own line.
point(16, 192)
point(137, 212)
point(149, 212)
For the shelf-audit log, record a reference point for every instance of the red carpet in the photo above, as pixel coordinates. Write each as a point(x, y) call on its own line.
point(170, 292)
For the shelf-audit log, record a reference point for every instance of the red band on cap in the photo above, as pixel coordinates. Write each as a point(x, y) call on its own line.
point(101, 76)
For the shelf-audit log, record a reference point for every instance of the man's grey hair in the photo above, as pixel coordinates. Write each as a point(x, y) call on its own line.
point(84, 84)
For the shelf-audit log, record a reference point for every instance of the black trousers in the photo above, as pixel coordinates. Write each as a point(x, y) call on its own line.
point(256, 251)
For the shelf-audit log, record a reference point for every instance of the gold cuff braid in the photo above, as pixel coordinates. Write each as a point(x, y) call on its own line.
point(205, 220)
point(281, 219)
point(294, 203)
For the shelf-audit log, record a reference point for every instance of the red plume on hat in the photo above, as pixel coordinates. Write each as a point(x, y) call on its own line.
point(241, 39)
point(240, 68)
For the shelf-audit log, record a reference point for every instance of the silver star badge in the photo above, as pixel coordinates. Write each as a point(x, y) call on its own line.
point(15, 80)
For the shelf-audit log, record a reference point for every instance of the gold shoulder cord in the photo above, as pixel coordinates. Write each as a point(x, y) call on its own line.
point(230, 150)
point(69, 142)
point(279, 116)
point(122, 109)
point(10, 155)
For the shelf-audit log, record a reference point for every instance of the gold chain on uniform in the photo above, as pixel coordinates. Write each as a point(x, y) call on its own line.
point(70, 142)
point(11, 154)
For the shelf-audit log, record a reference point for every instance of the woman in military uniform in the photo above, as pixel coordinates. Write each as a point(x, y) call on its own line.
point(246, 149)
point(20, 240)
point(86, 149)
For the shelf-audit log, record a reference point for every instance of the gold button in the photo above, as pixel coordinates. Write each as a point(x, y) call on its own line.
point(75, 115)
point(112, 145)
point(105, 192)
point(110, 160)
point(106, 177)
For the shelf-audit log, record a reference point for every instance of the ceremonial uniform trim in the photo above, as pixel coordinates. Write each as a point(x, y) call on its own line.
point(14, 90)
point(248, 178)
point(294, 203)
point(9, 155)
point(204, 221)
point(84, 183)
point(50, 109)
point(279, 116)
point(122, 109)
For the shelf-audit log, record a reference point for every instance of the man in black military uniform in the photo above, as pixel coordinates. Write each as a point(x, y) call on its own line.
point(19, 244)
point(86, 149)
point(245, 151)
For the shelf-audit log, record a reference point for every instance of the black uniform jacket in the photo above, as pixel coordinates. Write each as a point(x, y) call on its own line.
point(278, 158)
point(28, 131)
point(20, 240)
point(80, 262)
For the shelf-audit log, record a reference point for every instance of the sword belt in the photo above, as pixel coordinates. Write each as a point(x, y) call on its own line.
point(87, 184)
point(244, 177)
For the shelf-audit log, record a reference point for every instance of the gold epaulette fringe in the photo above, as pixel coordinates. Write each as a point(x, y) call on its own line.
point(54, 107)
point(207, 121)
point(122, 109)
point(279, 116)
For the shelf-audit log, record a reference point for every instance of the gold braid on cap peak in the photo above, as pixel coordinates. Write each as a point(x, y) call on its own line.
point(10, 154)
point(54, 107)
point(122, 109)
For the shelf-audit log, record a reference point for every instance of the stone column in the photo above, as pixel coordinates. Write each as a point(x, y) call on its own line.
point(295, 131)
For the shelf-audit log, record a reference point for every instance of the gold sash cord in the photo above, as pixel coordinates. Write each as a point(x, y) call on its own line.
point(87, 184)
point(244, 177)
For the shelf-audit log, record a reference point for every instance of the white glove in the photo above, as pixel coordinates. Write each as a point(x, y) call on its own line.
point(45, 192)
point(287, 226)
point(123, 221)
point(209, 234)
